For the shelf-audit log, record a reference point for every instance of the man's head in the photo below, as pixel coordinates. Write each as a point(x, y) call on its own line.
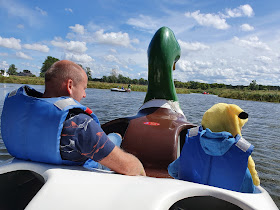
point(65, 78)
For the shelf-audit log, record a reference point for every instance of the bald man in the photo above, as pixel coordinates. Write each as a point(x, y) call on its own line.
point(61, 130)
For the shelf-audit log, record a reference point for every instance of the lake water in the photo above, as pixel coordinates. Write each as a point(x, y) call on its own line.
point(261, 130)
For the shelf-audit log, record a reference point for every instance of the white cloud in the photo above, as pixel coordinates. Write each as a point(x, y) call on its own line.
point(241, 11)
point(79, 58)
point(210, 20)
point(246, 27)
point(19, 10)
point(101, 37)
point(143, 74)
point(226, 62)
point(10, 43)
point(72, 46)
point(264, 59)
point(4, 64)
point(113, 50)
point(184, 65)
point(37, 47)
point(79, 29)
point(218, 21)
point(192, 46)
point(68, 10)
point(251, 42)
point(143, 22)
point(247, 10)
point(261, 69)
point(91, 26)
point(119, 38)
point(76, 46)
point(20, 26)
point(44, 13)
point(202, 64)
point(192, 66)
point(111, 58)
point(222, 62)
point(23, 55)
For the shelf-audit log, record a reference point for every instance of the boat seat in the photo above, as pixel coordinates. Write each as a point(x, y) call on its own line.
point(153, 137)
point(18, 188)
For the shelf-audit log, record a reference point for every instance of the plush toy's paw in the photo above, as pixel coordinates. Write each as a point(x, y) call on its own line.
point(254, 173)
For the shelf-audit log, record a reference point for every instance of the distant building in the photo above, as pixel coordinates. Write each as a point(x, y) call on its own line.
point(25, 73)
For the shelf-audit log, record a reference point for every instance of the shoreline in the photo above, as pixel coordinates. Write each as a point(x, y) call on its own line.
point(251, 95)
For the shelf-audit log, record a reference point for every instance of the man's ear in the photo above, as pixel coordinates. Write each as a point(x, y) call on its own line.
point(69, 86)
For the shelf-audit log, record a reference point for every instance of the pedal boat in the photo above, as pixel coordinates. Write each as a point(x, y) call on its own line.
point(155, 135)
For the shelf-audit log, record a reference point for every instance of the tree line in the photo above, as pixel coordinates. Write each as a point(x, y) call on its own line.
point(118, 78)
point(12, 70)
point(204, 86)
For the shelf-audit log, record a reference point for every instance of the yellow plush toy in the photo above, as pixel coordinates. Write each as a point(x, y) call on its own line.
point(230, 118)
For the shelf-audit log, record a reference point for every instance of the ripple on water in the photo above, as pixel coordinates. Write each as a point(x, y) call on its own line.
point(261, 130)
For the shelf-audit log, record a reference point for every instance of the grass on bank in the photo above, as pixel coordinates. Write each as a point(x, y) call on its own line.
point(253, 95)
point(22, 80)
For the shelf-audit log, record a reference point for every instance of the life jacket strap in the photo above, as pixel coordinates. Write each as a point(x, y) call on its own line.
point(243, 144)
point(61, 104)
point(193, 131)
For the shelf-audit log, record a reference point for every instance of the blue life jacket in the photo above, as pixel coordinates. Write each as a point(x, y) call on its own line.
point(216, 159)
point(31, 125)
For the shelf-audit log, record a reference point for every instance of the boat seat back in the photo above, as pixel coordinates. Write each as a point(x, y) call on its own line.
point(153, 138)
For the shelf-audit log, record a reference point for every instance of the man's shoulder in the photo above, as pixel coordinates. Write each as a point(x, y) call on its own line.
point(77, 114)
point(79, 119)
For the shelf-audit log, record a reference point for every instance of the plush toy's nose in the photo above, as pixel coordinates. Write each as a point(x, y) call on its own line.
point(243, 115)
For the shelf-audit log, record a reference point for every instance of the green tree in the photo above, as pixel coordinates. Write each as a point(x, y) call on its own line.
point(122, 79)
point(135, 81)
point(193, 85)
point(112, 79)
point(143, 81)
point(204, 86)
point(178, 84)
point(104, 79)
point(88, 71)
point(12, 70)
point(253, 85)
point(47, 64)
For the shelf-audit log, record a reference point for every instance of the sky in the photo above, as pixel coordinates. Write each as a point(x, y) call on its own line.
point(222, 41)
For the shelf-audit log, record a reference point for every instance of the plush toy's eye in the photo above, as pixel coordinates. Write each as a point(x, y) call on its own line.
point(243, 115)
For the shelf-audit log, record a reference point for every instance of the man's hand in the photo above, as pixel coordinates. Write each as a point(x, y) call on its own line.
point(123, 163)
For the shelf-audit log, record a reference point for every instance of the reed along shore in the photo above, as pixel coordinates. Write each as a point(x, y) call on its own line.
point(252, 95)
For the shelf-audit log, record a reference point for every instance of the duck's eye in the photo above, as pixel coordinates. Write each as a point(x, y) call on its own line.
point(243, 115)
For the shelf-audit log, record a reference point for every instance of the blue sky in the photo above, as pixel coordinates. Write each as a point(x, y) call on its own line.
point(222, 41)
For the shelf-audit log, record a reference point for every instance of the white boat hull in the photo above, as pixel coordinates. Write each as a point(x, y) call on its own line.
point(120, 90)
point(73, 187)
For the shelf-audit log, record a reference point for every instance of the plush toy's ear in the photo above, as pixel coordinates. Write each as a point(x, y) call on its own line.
point(243, 115)
point(237, 119)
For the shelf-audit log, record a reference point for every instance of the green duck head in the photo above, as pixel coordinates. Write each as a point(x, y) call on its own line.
point(163, 52)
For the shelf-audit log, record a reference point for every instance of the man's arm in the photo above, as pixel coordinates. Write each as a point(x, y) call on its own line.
point(123, 163)
point(82, 138)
